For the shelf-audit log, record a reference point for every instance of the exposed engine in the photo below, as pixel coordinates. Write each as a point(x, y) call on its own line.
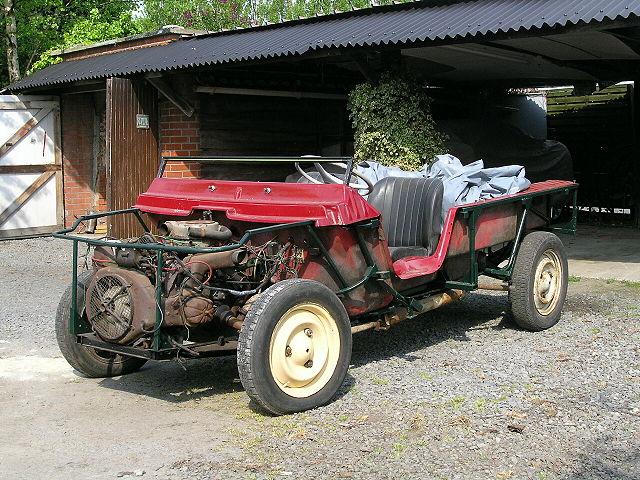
point(212, 291)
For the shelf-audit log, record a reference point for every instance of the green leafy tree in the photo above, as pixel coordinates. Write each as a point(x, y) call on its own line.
point(218, 14)
point(92, 29)
point(393, 123)
point(196, 14)
point(43, 25)
point(46, 25)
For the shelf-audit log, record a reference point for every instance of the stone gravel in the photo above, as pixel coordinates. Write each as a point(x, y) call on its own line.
point(460, 393)
point(34, 273)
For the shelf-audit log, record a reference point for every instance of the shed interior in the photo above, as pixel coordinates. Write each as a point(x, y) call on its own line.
point(295, 104)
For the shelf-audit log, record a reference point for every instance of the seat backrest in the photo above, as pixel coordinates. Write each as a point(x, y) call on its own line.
point(411, 210)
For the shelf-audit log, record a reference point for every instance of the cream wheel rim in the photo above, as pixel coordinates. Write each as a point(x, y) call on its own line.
point(304, 350)
point(548, 282)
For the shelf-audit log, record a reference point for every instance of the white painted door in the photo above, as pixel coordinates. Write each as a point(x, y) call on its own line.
point(30, 166)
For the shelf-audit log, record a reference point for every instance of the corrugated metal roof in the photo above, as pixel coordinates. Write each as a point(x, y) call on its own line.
point(394, 24)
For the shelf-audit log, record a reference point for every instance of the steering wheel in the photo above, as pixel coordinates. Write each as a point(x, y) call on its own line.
point(367, 186)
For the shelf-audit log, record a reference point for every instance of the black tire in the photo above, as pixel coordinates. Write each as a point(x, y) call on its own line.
point(88, 361)
point(539, 281)
point(308, 315)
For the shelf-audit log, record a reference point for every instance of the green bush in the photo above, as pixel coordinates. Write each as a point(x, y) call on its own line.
point(393, 123)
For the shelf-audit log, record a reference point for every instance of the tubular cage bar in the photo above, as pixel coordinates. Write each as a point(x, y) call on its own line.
point(473, 212)
point(348, 161)
point(162, 348)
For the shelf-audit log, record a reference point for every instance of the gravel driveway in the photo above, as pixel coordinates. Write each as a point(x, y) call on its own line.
point(457, 394)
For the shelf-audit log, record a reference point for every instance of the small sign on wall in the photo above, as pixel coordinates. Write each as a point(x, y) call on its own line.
point(142, 121)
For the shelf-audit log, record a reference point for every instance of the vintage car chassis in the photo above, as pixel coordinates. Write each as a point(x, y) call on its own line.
point(409, 301)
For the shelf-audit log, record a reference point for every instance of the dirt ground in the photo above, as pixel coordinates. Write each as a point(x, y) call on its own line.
point(458, 394)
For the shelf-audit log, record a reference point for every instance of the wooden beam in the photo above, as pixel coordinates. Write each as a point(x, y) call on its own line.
point(24, 105)
point(367, 72)
point(29, 232)
point(270, 93)
point(49, 167)
point(24, 196)
point(57, 145)
point(165, 89)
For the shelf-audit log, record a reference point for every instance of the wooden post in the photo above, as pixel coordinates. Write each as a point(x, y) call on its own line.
point(635, 159)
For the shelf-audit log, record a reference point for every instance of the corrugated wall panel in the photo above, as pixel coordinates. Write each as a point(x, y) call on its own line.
point(134, 152)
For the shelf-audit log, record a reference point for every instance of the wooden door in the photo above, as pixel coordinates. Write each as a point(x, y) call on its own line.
point(30, 166)
point(132, 150)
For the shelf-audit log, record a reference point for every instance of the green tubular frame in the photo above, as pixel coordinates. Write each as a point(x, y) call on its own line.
point(161, 348)
point(472, 213)
point(160, 343)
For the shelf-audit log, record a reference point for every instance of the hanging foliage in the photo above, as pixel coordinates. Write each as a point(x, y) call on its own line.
point(393, 123)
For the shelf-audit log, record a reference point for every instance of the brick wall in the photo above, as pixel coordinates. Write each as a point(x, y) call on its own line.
point(77, 126)
point(179, 137)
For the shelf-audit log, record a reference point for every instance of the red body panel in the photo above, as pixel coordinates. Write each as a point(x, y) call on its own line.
point(455, 238)
point(268, 202)
point(328, 205)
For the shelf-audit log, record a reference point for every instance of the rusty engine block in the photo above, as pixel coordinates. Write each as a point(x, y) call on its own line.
point(211, 291)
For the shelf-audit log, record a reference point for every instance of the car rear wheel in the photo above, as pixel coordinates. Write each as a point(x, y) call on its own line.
point(539, 281)
point(88, 361)
point(295, 347)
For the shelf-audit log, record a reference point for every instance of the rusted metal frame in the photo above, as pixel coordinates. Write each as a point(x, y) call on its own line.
point(470, 280)
point(159, 340)
point(372, 268)
point(410, 303)
point(167, 248)
point(76, 324)
point(505, 272)
point(327, 256)
point(91, 341)
point(400, 314)
point(369, 273)
point(204, 349)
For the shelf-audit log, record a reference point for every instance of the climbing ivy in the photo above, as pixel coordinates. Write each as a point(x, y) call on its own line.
point(393, 123)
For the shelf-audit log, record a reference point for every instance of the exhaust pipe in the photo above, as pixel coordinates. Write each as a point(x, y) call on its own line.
point(401, 313)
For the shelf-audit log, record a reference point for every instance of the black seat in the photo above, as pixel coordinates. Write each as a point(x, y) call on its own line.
point(411, 210)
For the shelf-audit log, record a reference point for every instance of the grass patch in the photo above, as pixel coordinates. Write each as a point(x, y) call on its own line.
point(573, 278)
point(623, 283)
point(455, 403)
point(480, 404)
